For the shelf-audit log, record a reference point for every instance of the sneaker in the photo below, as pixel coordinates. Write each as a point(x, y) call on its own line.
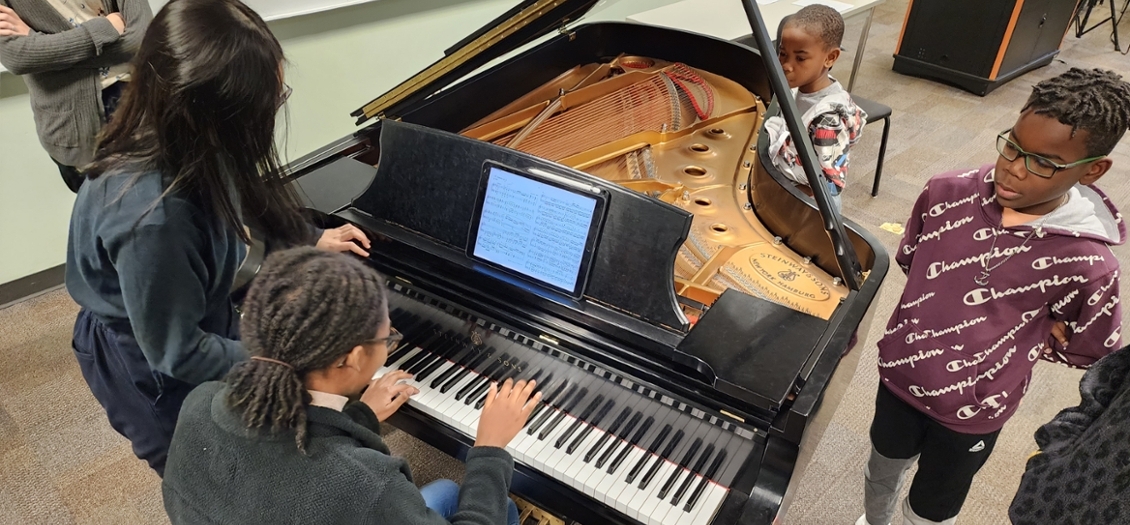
point(863, 520)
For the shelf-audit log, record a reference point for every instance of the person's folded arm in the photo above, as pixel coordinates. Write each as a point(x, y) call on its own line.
point(38, 52)
point(137, 15)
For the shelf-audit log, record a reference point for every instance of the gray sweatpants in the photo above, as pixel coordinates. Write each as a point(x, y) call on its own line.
point(883, 479)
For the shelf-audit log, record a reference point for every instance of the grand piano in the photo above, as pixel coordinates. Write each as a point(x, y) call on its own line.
point(598, 212)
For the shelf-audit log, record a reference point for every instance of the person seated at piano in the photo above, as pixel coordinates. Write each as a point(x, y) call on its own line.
point(1006, 264)
point(293, 434)
point(808, 45)
point(157, 230)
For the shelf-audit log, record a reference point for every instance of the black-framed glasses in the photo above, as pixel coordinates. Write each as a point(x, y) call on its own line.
point(390, 342)
point(1036, 164)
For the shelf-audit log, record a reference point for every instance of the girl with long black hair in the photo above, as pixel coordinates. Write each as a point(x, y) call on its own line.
point(159, 229)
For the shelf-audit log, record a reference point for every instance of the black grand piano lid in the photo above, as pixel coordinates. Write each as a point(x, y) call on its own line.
point(520, 25)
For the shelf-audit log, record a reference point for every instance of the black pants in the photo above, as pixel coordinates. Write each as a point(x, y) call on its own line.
point(142, 404)
point(948, 460)
point(71, 175)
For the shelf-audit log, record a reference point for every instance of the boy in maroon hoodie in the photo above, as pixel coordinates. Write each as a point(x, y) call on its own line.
point(997, 259)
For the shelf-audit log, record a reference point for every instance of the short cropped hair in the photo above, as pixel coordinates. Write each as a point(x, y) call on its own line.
point(1094, 100)
point(820, 21)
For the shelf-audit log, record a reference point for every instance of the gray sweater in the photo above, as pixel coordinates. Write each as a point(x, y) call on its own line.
point(219, 472)
point(60, 64)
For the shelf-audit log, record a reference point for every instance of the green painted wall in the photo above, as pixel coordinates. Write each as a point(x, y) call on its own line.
point(338, 61)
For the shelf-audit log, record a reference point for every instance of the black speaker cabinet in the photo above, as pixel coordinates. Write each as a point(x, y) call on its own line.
point(978, 45)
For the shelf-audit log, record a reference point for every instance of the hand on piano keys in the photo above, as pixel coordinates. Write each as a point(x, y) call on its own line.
point(386, 394)
point(616, 443)
point(505, 412)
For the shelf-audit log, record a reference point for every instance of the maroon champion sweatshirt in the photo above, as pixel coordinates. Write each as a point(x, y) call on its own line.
point(963, 352)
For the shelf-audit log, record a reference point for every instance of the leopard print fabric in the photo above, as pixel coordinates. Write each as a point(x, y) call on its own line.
point(1082, 474)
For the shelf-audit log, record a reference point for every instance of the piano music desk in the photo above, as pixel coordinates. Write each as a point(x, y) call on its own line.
point(726, 19)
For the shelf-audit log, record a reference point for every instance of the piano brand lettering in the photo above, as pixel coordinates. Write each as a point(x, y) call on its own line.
point(928, 333)
point(948, 226)
point(938, 268)
point(979, 296)
point(1043, 263)
point(943, 207)
point(782, 272)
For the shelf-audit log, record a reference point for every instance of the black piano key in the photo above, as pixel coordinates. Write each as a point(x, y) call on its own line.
point(549, 413)
point(463, 357)
point(620, 419)
point(680, 468)
point(710, 473)
point(437, 351)
point(604, 410)
point(631, 443)
point(425, 352)
point(501, 375)
point(690, 477)
point(396, 315)
point(660, 458)
point(514, 375)
point(585, 415)
point(653, 449)
point(457, 353)
point(483, 379)
point(616, 443)
point(478, 359)
point(414, 331)
point(409, 343)
point(488, 374)
point(544, 399)
point(566, 407)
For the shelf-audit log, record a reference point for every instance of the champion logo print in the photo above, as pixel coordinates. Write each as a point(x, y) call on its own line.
point(978, 447)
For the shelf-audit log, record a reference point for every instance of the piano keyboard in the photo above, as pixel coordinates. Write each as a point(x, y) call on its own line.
point(632, 448)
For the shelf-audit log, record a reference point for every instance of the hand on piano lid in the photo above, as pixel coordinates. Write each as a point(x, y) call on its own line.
point(386, 394)
point(342, 240)
point(505, 412)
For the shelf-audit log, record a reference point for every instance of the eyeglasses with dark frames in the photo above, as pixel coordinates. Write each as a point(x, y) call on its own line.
point(390, 342)
point(1037, 165)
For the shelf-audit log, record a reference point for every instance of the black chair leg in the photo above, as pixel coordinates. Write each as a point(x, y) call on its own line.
point(882, 155)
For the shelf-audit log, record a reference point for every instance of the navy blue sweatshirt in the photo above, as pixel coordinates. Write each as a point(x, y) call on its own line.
point(159, 268)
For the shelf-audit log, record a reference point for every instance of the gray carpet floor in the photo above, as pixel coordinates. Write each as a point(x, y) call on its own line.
point(62, 464)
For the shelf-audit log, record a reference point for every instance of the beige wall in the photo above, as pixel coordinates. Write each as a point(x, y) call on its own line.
point(339, 60)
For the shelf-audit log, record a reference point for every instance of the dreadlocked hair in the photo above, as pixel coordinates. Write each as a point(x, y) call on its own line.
point(820, 21)
point(307, 308)
point(1094, 100)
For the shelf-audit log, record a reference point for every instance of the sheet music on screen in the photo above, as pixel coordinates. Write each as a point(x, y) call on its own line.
point(533, 228)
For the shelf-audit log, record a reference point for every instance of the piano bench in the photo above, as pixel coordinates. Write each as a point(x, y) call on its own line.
point(876, 111)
